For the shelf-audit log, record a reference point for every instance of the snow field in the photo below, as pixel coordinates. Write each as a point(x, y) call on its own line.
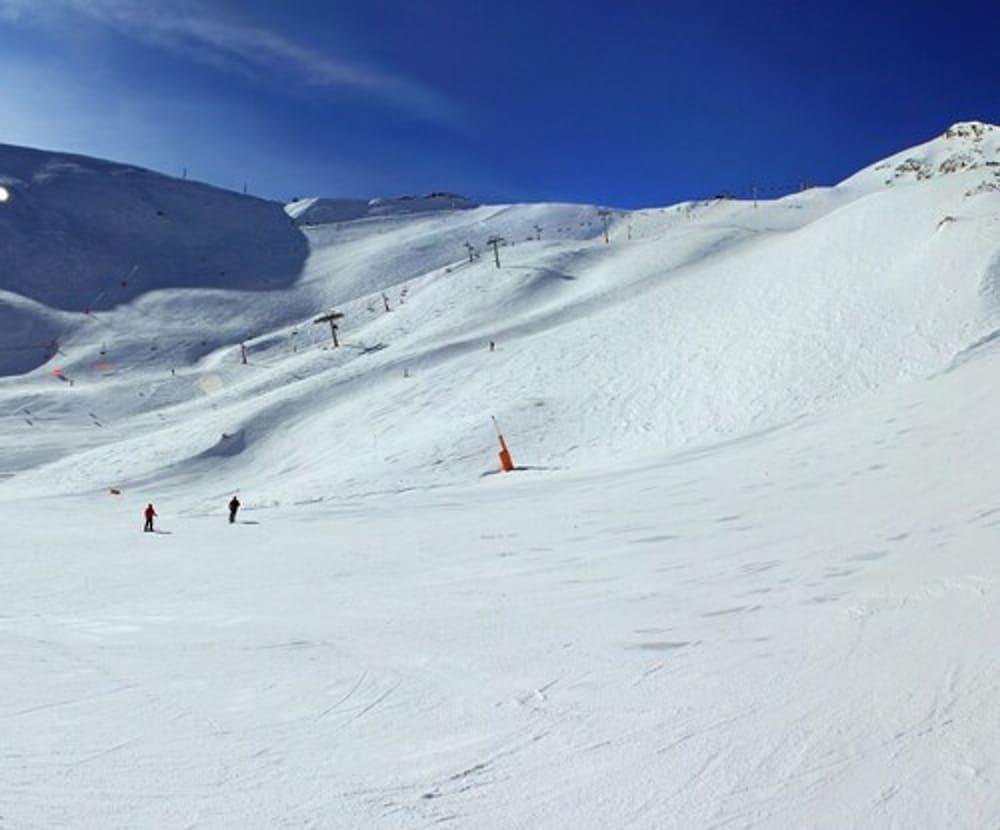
point(700, 643)
point(747, 577)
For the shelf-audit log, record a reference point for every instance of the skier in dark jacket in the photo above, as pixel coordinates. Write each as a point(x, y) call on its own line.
point(234, 505)
point(150, 514)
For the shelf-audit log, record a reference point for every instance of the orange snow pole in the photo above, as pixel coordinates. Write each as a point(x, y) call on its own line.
point(506, 462)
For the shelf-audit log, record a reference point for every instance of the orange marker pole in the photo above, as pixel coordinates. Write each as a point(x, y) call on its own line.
point(506, 462)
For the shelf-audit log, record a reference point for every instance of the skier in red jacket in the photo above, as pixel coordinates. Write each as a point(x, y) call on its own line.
point(149, 513)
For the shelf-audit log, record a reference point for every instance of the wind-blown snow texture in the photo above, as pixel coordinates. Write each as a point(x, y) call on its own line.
point(746, 578)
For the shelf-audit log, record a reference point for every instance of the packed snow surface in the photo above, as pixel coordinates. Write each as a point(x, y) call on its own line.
point(319, 211)
point(745, 574)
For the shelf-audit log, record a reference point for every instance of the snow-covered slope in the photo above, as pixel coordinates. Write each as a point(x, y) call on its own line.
point(319, 211)
point(965, 146)
point(697, 322)
point(744, 578)
point(82, 236)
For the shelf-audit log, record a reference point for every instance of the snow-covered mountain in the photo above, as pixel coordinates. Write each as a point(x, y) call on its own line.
point(697, 322)
point(319, 211)
point(744, 577)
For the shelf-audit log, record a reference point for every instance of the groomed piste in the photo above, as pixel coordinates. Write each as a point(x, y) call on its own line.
point(743, 572)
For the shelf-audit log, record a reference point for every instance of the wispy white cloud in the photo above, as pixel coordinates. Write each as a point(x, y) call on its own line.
point(200, 32)
point(73, 110)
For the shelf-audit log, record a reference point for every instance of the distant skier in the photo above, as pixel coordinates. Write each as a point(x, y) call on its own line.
point(493, 346)
point(150, 514)
point(234, 506)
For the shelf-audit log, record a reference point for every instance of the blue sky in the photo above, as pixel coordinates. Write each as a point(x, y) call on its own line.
point(622, 103)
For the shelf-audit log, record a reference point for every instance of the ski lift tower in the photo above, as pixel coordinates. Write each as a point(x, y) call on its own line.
point(331, 318)
point(606, 219)
point(494, 242)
